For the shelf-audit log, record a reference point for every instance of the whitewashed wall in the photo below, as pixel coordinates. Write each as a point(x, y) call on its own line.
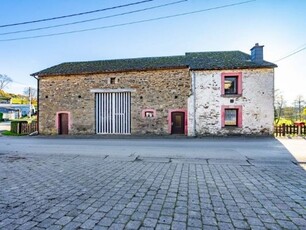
point(204, 105)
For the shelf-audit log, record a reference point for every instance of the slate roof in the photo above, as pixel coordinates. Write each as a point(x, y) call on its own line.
point(194, 61)
point(224, 60)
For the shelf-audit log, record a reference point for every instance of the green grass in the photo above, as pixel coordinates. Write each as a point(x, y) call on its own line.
point(29, 120)
point(9, 133)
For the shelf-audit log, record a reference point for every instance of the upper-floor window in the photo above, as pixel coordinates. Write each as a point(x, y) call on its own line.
point(112, 80)
point(231, 83)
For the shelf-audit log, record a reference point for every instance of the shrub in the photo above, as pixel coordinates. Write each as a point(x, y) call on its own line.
point(1, 116)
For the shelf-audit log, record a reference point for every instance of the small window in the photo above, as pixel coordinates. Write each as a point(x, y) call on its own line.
point(112, 80)
point(148, 113)
point(231, 83)
point(231, 117)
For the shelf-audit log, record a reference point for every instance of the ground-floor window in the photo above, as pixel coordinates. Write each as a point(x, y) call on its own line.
point(231, 116)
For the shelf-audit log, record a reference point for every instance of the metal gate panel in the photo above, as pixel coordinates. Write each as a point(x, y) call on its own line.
point(113, 113)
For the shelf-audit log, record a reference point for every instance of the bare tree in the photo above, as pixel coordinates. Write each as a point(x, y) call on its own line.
point(279, 104)
point(4, 81)
point(299, 104)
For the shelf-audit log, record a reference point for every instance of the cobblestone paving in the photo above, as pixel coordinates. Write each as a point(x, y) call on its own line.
point(78, 192)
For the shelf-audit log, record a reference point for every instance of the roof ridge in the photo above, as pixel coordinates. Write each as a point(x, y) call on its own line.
point(126, 59)
point(215, 51)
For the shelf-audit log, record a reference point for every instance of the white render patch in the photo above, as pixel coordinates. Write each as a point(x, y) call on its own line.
point(256, 100)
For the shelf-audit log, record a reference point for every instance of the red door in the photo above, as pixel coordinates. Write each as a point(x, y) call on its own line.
point(178, 123)
point(63, 123)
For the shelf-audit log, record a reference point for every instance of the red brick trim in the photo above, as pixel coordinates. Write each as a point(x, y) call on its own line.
point(57, 119)
point(170, 111)
point(239, 81)
point(143, 113)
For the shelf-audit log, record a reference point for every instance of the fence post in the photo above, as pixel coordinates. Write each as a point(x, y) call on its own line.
point(18, 127)
point(299, 130)
point(283, 130)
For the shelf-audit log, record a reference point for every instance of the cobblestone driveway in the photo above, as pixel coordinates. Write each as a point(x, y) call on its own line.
point(71, 192)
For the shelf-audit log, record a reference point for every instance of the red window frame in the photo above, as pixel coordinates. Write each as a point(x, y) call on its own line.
point(239, 113)
point(143, 113)
point(239, 82)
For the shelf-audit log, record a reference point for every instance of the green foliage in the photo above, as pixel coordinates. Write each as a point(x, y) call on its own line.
point(1, 116)
point(17, 98)
point(4, 94)
point(29, 120)
point(9, 133)
point(283, 121)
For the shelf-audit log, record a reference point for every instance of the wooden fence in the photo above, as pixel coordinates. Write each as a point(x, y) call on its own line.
point(23, 127)
point(283, 130)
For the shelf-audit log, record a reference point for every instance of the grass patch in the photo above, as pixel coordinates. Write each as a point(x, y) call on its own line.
point(29, 120)
point(9, 133)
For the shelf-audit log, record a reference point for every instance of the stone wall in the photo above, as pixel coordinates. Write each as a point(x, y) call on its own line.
point(256, 101)
point(160, 90)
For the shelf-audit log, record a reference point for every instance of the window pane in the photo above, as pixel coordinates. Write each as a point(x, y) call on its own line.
point(230, 117)
point(230, 85)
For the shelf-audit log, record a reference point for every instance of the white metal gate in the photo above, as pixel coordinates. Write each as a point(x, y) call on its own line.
point(113, 113)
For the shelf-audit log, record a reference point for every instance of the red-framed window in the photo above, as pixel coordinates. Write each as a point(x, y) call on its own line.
point(231, 83)
point(231, 116)
point(148, 113)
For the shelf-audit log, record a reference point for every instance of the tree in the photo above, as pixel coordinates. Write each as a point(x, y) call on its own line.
point(4, 81)
point(299, 104)
point(279, 104)
point(288, 114)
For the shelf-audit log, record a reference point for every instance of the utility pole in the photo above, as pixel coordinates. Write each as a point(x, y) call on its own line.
point(30, 101)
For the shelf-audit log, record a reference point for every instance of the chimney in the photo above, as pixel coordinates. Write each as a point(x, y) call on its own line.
point(257, 53)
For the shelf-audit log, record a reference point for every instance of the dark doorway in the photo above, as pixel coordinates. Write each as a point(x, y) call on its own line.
point(63, 123)
point(178, 123)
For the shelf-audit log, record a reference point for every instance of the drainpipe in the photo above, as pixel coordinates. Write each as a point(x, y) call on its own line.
point(194, 102)
point(273, 101)
point(37, 111)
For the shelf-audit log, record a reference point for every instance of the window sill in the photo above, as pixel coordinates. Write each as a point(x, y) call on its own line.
point(231, 95)
point(231, 127)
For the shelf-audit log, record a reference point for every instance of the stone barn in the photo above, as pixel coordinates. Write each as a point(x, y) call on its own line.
point(202, 93)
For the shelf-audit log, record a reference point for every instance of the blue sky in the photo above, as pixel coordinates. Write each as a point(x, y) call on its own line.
point(278, 25)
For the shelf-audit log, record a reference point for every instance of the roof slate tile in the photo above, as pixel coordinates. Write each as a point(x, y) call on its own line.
point(193, 61)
